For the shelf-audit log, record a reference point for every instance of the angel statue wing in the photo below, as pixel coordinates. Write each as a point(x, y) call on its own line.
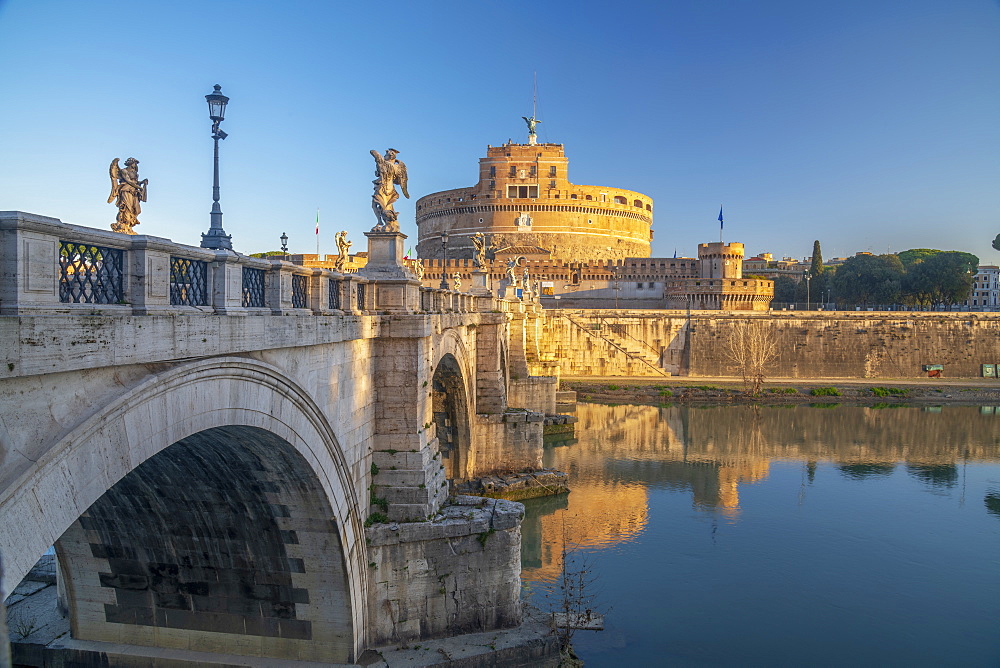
point(113, 172)
point(401, 178)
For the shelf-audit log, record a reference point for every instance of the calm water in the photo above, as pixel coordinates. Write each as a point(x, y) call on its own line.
point(780, 536)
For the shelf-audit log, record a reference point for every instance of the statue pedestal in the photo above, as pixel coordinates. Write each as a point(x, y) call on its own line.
point(396, 289)
point(508, 291)
point(479, 282)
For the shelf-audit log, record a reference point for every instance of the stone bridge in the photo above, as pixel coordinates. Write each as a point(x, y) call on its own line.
point(249, 457)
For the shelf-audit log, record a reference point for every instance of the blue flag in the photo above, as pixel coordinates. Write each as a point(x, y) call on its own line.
point(721, 224)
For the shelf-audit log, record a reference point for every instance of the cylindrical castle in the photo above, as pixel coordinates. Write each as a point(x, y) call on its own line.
point(524, 199)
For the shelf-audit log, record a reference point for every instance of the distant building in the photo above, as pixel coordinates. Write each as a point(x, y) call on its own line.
point(985, 293)
point(524, 198)
point(579, 246)
point(720, 283)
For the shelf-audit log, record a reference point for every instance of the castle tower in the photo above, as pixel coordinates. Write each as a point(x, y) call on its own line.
point(719, 260)
point(524, 195)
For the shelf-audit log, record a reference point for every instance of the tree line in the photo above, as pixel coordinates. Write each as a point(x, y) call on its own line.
point(920, 277)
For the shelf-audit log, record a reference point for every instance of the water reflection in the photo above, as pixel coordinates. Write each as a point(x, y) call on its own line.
point(713, 454)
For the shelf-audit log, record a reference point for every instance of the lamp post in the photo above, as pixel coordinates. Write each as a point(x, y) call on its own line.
point(284, 244)
point(216, 238)
point(807, 277)
point(444, 261)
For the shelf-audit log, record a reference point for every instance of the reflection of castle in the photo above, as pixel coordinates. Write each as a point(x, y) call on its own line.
point(622, 452)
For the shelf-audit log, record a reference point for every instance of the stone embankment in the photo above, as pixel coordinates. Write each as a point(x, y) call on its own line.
point(811, 344)
point(786, 391)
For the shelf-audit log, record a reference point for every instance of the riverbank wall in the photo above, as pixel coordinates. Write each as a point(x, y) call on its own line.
point(843, 344)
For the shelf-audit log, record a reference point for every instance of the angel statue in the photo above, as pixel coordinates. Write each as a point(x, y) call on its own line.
point(343, 246)
point(511, 266)
point(525, 280)
point(458, 281)
point(389, 173)
point(126, 192)
point(479, 243)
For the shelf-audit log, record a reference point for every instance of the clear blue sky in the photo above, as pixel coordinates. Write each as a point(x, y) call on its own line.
point(867, 124)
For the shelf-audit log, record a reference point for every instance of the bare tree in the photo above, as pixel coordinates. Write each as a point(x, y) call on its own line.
point(751, 346)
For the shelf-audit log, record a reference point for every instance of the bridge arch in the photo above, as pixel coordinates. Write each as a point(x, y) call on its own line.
point(453, 404)
point(258, 419)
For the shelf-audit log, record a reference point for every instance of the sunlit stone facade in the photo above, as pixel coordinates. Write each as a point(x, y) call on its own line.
point(524, 195)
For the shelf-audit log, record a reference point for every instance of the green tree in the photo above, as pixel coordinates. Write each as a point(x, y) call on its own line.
point(943, 278)
point(869, 279)
point(816, 268)
point(267, 254)
point(914, 255)
point(996, 243)
point(785, 289)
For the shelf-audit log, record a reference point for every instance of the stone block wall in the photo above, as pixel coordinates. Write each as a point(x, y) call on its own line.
point(843, 344)
point(457, 574)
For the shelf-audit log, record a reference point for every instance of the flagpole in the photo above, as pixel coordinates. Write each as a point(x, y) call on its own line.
point(721, 224)
point(317, 234)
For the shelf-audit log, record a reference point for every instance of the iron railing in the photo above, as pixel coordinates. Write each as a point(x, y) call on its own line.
point(334, 294)
point(300, 291)
point(188, 282)
point(253, 287)
point(90, 274)
point(361, 296)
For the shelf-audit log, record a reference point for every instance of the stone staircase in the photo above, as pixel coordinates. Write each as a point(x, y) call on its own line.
point(624, 344)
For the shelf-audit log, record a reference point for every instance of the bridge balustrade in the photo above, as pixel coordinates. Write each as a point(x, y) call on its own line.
point(47, 266)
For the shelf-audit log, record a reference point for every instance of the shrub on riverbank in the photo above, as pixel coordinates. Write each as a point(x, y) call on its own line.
point(825, 392)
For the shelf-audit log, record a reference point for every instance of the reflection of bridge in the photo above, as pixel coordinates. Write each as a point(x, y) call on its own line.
point(205, 437)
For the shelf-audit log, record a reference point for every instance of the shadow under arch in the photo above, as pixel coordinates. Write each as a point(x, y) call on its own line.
point(223, 540)
point(165, 408)
point(451, 412)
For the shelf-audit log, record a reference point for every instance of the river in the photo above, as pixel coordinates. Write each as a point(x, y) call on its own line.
point(823, 535)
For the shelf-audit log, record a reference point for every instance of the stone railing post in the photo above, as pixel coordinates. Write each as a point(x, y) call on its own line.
point(29, 262)
point(149, 267)
point(226, 283)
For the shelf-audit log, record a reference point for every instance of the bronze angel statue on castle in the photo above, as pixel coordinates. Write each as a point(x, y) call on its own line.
point(126, 192)
point(389, 173)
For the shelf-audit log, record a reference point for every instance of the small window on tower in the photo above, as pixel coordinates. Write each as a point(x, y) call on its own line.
point(552, 171)
point(493, 171)
point(513, 170)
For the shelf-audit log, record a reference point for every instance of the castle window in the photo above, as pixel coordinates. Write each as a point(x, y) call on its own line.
point(620, 200)
point(573, 196)
point(522, 191)
point(532, 171)
point(552, 184)
point(493, 171)
point(552, 171)
point(588, 197)
point(513, 170)
point(649, 208)
point(637, 204)
point(493, 184)
point(639, 285)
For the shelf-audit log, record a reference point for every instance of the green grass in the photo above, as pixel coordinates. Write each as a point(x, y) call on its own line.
point(666, 393)
point(888, 391)
point(613, 387)
point(824, 392)
point(781, 390)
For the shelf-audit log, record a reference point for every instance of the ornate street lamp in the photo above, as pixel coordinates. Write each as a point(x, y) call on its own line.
point(808, 300)
point(284, 244)
point(444, 261)
point(216, 238)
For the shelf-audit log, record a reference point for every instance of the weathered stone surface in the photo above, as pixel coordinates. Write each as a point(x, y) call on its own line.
point(843, 344)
